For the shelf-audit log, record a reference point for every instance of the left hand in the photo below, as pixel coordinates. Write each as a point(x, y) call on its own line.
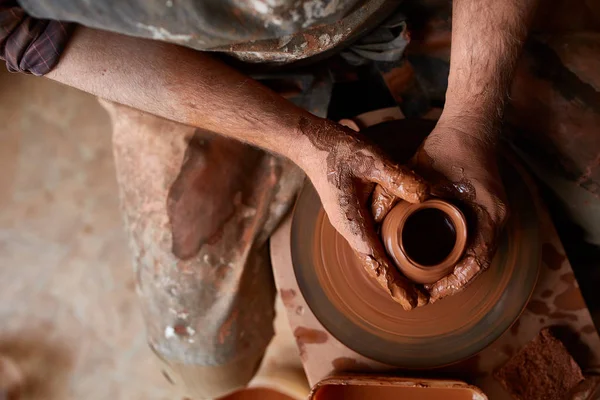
point(344, 167)
point(459, 163)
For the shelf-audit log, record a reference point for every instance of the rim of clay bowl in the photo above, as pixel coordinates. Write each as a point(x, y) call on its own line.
point(415, 271)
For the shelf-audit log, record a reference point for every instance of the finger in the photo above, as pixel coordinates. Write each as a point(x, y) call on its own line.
point(349, 124)
point(403, 291)
point(378, 265)
point(398, 287)
point(355, 223)
point(478, 256)
point(422, 297)
point(383, 201)
point(401, 182)
point(463, 274)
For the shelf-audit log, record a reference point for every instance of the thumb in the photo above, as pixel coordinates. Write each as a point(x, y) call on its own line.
point(401, 181)
point(463, 274)
point(383, 201)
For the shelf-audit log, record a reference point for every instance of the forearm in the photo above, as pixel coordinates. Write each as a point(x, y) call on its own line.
point(182, 85)
point(487, 37)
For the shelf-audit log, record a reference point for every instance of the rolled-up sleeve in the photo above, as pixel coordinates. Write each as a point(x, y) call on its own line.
point(28, 44)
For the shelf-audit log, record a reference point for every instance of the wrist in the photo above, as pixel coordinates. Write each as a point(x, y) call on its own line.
point(479, 116)
point(483, 102)
point(469, 127)
point(313, 138)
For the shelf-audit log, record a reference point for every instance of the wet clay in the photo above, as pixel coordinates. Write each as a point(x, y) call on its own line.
point(351, 392)
point(464, 168)
point(425, 240)
point(355, 310)
point(428, 236)
point(348, 284)
point(353, 307)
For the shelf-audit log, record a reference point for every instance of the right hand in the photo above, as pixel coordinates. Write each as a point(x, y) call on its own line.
point(460, 165)
point(345, 168)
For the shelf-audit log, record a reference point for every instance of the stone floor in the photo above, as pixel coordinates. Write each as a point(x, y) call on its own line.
point(68, 312)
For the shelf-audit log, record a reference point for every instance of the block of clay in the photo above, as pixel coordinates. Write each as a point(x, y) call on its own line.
point(542, 370)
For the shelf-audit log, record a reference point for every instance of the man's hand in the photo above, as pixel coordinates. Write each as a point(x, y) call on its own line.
point(462, 166)
point(459, 156)
point(345, 168)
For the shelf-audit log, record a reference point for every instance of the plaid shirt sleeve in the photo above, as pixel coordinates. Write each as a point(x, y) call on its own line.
point(28, 44)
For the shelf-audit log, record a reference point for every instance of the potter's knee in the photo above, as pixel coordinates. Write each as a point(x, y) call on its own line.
point(199, 382)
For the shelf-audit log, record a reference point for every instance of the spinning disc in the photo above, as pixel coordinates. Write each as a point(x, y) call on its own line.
point(354, 309)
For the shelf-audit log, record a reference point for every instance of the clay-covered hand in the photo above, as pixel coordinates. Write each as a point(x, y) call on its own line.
point(345, 167)
point(460, 164)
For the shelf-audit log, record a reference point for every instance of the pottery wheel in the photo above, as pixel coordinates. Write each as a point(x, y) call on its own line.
point(354, 309)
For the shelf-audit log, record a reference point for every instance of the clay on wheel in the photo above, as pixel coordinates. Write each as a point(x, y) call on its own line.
point(354, 309)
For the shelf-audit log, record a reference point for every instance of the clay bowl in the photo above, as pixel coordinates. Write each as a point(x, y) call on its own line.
point(425, 240)
point(355, 387)
point(351, 306)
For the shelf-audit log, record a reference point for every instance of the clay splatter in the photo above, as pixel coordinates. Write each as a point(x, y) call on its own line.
point(348, 364)
point(225, 329)
point(569, 300)
point(182, 329)
point(552, 258)
point(306, 336)
point(538, 307)
point(287, 295)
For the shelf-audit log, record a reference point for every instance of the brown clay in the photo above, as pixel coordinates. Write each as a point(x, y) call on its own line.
point(348, 284)
point(543, 369)
point(356, 311)
point(257, 394)
point(425, 240)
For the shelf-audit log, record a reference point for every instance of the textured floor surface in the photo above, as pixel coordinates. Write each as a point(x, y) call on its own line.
point(68, 312)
